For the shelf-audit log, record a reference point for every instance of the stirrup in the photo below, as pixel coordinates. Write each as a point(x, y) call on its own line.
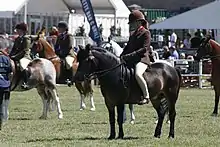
point(24, 86)
point(144, 101)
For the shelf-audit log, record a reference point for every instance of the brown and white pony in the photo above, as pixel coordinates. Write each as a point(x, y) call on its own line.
point(45, 50)
point(42, 76)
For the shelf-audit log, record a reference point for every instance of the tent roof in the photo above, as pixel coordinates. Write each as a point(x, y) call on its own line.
point(11, 7)
point(8, 7)
point(204, 17)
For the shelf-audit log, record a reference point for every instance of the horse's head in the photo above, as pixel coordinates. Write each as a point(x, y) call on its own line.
point(87, 62)
point(204, 49)
point(37, 46)
point(42, 47)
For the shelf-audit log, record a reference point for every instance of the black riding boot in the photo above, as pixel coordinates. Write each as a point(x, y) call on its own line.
point(69, 80)
point(25, 77)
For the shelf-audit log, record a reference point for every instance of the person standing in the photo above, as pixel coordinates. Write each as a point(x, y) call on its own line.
point(5, 71)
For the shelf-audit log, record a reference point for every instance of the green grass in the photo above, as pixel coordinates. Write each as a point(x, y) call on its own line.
point(194, 124)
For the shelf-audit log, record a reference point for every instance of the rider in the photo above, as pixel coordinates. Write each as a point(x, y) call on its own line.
point(136, 53)
point(21, 51)
point(64, 49)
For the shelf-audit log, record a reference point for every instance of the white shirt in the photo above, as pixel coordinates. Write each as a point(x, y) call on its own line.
point(173, 39)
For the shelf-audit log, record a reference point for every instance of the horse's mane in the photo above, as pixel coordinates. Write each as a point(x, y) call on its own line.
point(110, 55)
point(45, 43)
point(214, 44)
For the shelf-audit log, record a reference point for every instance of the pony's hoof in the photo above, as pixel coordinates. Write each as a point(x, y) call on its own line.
point(43, 117)
point(132, 122)
point(214, 114)
point(83, 107)
point(111, 137)
point(171, 136)
point(156, 136)
point(92, 109)
point(60, 116)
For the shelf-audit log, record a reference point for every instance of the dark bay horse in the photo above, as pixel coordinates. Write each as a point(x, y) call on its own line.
point(119, 87)
point(211, 49)
point(45, 50)
point(42, 76)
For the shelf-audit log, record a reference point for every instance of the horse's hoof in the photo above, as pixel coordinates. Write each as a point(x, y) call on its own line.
point(157, 136)
point(43, 117)
point(168, 122)
point(171, 136)
point(92, 109)
point(82, 108)
point(120, 137)
point(132, 122)
point(111, 137)
point(214, 114)
point(60, 116)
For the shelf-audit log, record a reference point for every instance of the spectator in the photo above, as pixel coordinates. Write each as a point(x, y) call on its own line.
point(166, 53)
point(186, 41)
point(5, 70)
point(195, 41)
point(154, 54)
point(173, 39)
point(174, 53)
point(182, 64)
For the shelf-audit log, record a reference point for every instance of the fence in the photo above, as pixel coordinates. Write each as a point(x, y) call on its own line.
point(200, 71)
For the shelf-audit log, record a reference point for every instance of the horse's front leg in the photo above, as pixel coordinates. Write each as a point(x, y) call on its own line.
point(92, 101)
point(82, 102)
point(215, 112)
point(120, 111)
point(111, 111)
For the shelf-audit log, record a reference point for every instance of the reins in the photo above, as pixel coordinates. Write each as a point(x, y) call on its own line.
point(101, 73)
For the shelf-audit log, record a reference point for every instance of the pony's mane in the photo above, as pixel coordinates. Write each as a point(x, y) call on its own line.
point(45, 43)
point(104, 51)
point(214, 44)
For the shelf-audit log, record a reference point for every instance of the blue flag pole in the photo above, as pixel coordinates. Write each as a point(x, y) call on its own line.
point(94, 30)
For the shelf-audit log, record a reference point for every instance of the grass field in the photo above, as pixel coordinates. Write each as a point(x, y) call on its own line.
point(194, 124)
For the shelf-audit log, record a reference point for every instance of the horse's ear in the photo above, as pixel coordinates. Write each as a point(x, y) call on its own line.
point(88, 47)
point(81, 47)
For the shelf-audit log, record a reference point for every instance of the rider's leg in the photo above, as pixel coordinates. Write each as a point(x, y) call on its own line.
point(69, 63)
point(23, 64)
point(140, 68)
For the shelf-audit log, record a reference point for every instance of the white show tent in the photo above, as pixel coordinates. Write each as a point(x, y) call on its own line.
point(111, 12)
point(10, 7)
point(204, 17)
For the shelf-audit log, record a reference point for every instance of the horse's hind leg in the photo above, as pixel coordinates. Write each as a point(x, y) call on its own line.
point(42, 94)
point(131, 108)
point(215, 112)
point(54, 95)
point(172, 112)
point(120, 111)
point(161, 113)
